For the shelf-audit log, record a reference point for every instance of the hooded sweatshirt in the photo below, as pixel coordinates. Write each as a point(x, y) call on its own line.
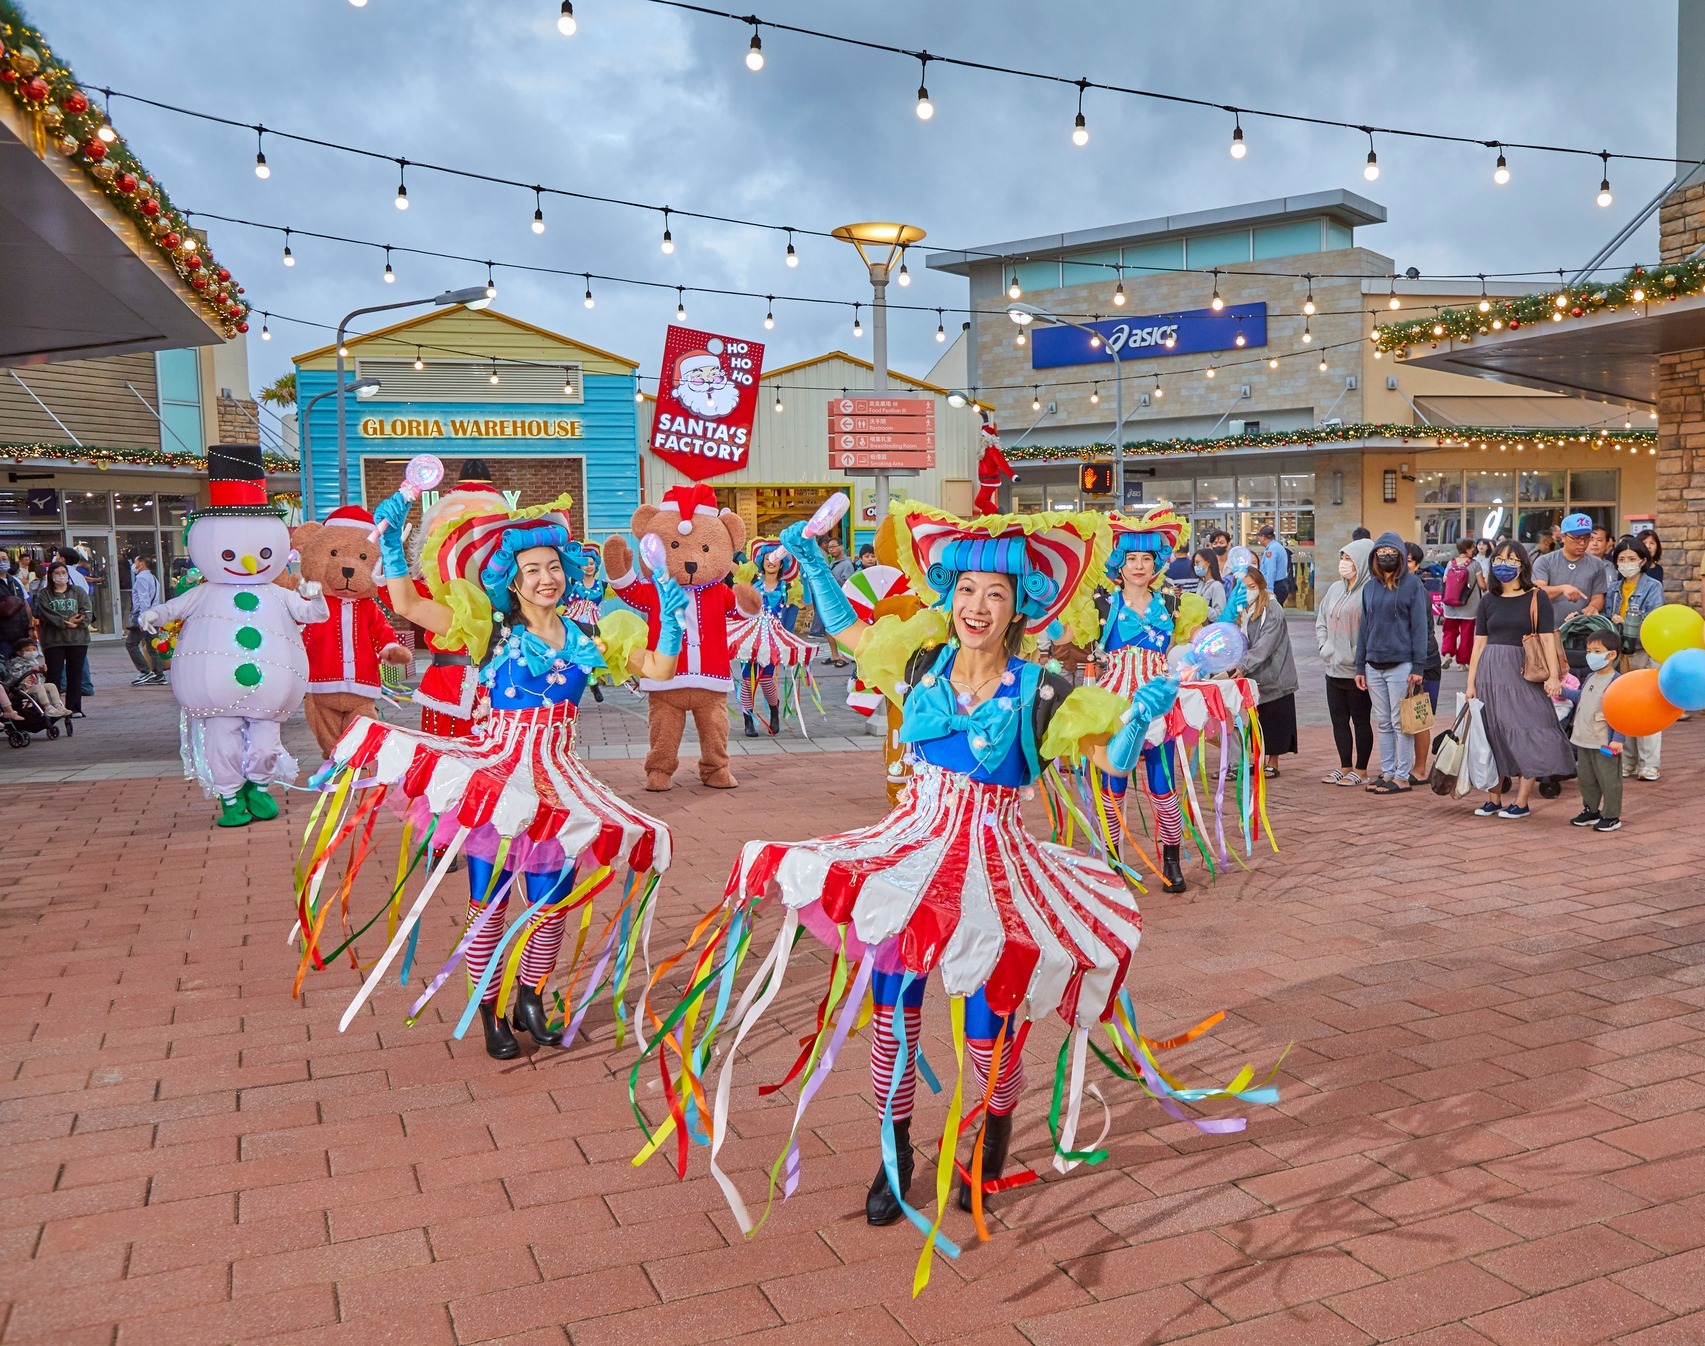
point(1395, 620)
point(1338, 619)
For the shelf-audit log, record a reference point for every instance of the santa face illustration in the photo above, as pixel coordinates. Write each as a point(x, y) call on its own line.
point(703, 387)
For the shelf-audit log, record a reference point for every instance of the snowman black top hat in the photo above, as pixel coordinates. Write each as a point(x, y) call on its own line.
point(236, 483)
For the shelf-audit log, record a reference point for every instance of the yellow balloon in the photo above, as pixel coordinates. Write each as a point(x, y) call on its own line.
point(1672, 627)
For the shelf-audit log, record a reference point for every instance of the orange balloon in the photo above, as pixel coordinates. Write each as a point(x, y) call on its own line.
point(1634, 706)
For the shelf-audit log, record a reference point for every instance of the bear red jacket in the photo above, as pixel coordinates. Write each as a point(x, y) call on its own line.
point(704, 658)
point(343, 650)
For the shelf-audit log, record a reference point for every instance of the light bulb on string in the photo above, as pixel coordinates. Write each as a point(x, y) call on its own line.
point(1485, 304)
point(905, 276)
point(858, 327)
point(390, 275)
point(1639, 295)
point(940, 327)
point(1307, 334)
point(565, 23)
point(1216, 303)
point(792, 256)
point(1370, 170)
point(1080, 128)
point(755, 51)
point(1036, 399)
point(638, 393)
point(589, 301)
point(1094, 340)
point(1013, 291)
point(1308, 304)
point(402, 185)
point(1020, 339)
point(1501, 174)
point(1240, 341)
point(289, 257)
point(1394, 302)
point(261, 169)
point(1095, 395)
point(419, 364)
point(1119, 291)
point(343, 351)
point(1210, 371)
point(1158, 390)
point(538, 212)
point(490, 282)
point(770, 314)
point(778, 400)
point(925, 109)
point(1604, 198)
point(1322, 364)
point(680, 304)
point(494, 378)
point(567, 382)
point(668, 242)
point(265, 331)
point(1238, 147)
point(1272, 364)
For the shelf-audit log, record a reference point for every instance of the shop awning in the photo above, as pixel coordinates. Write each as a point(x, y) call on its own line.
point(1523, 413)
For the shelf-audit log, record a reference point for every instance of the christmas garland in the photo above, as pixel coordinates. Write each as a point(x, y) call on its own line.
point(18, 452)
point(66, 117)
point(1457, 436)
point(1642, 285)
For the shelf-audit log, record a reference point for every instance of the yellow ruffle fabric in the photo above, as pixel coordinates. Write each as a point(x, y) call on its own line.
point(1088, 712)
point(470, 616)
point(889, 645)
point(624, 635)
point(1192, 617)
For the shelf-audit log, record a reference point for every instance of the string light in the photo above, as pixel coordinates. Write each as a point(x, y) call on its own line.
point(402, 184)
point(755, 51)
point(1020, 339)
point(494, 378)
point(565, 23)
point(1241, 340)
point(905, 276)
point(1119, 291)
point(1095, 395)
point(1307, 333)
point(1604, 198)
point(1308, 304)
point(289, 257)
point(589, 301)
point(265, 331)
point(940, 327)
point(668, 243)
point(1322, 364)
point(567, 382)
point(638, 393)
point(925, 109)
point(792, 256)
point(1013, 291)
point(1238, 147)
point(343, 351)
point(680, 304)
point(1210, 371)
point(419, 363)
point(1501, 174)
point(538, 212)
point(390, 275)
point(1216, 303)
point(858, 327)
point(1394, 302)
point(769, 314)
point(1485, 304)
point(1371, 170)
point(490, 282)
point(1158, 390)
point(1272, 364)
point(261, 170)
point(1080, 129)
point(778, 399)
point(1036, 399)
point(1095, 340)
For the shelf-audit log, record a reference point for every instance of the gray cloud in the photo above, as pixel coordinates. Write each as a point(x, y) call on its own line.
point(657, 105)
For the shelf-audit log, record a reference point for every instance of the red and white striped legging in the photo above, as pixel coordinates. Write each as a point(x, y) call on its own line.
point(543, 938)
point(1168, 817)
point(766, 679)
point(885, 1052)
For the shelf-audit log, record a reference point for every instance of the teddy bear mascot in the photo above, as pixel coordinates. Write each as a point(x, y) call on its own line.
point(239, 669)
point(991, 467)
point(345, 650)
point(700, 540)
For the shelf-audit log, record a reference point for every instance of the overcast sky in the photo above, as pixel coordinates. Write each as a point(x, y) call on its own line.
point(657, 105)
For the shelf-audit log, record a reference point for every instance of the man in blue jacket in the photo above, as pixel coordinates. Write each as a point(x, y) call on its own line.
point(1391, 651)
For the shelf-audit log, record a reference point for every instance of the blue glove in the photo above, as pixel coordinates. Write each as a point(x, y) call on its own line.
point(1153, 699)
point(671, 603)
point(393, 512)
point(1236, 600)
point(835, 612)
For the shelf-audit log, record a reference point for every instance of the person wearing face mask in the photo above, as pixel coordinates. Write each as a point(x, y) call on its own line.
point(14, 609)
point(1521, 727)
point(1597, 745)
point(1205, 565)
point(1633, 598)
point(1391, 654)
point(1337, 625)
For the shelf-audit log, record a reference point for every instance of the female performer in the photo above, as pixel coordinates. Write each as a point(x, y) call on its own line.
point(514, 795)
point(951, 880)
point(586, 597)
point(1136, 634)
point(766, 641)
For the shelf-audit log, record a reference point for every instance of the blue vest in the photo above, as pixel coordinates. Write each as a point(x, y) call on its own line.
point(559, 677)
point(931, 698)
point(1149, 630)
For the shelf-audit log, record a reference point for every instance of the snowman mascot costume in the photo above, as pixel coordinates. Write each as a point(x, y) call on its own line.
point(239, 669)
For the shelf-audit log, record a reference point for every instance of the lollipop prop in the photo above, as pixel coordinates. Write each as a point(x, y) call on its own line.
point(828, 514)
point(1217, 648)
point(1239, 559)
point(651, 549)
point(422, 474)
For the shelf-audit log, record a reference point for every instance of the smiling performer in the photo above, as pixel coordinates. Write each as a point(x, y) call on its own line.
point(514, 796)
point(951, 882)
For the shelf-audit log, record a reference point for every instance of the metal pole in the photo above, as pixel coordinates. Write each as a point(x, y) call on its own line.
point(342, 430)
point(305, 461)
point(1118, 428)
point(879, 361)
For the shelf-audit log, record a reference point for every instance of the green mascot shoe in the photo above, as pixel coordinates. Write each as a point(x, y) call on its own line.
point(261, 805)
point(233, 812)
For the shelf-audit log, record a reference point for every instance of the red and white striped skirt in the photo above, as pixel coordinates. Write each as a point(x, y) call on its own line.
point(765, 642)
point(582, 610)
point(1126, 670)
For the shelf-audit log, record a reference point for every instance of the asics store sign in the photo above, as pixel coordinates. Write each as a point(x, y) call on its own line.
point(1192, 332)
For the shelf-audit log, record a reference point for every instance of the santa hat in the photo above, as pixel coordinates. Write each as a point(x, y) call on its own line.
point(687, 501)
point(350, 516)
point(700, 359)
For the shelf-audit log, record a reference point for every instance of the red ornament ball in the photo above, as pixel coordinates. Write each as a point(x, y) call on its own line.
point(170, 239)
point(76, 102)
point(150, 206)
point(1577, 312)
point(34, 88)
point(193, 262)
point(125, 182)
point(242, 327)
point(240, 290)
point(198, 282)
point(1514, 323)
point(224, 274)
point(95, 148)
point(8, 76)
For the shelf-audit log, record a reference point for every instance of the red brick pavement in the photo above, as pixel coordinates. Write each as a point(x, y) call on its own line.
point(1489, 1132)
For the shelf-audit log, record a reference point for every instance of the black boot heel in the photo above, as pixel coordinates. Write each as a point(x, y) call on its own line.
point(997, 1136)
point(500, 1043)
point(775, 719)
point(751, 728)
point(529, 1014)
point(881, 1206)
point(1172, 870)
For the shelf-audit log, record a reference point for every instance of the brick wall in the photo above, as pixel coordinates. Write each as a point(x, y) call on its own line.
point(237, 420)
point(537, 479)
point(1681, 420)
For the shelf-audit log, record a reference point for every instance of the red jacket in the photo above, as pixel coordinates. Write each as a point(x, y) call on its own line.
point(704, 651)
point(343, 650)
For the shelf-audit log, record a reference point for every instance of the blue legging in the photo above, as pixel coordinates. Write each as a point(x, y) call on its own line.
point(982, 1027)
point(543, 942)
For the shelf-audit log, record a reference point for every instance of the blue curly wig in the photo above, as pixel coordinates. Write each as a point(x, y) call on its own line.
point(499, 572)
point(1125, 543)
point(1034, 591)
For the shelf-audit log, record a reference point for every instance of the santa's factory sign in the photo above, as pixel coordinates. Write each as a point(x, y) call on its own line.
point(707, 395)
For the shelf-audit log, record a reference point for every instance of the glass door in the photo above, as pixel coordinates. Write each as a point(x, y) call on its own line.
point(95, 546)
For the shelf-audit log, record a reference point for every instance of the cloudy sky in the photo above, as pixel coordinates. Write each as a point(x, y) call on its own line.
point(656, 105)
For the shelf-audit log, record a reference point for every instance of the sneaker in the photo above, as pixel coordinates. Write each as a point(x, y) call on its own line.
point(1514, 811)
point(1490, 809)
point(1585, 818)
point(158, 679)
point(1607, 824)
point(142, 681)
point(1647, 773)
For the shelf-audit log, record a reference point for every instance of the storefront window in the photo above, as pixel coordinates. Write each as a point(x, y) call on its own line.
point(1488, 486)
point(1438, 488)
point(27, 507)
point(1532, 502)
point(1540, 487)
point(1029, 499)
point(1297, 489)
point(132, 510)
point(88, 507)
point(1257, 492)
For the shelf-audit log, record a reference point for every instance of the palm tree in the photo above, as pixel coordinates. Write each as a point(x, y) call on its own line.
point(281, 392)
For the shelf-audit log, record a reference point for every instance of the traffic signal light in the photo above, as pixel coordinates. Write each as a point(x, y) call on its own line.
point(1097, 479)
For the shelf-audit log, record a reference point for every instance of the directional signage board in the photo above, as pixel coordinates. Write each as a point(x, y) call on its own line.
point(874, 434)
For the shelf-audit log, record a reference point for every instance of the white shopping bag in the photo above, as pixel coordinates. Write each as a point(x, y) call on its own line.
point(1479, 771)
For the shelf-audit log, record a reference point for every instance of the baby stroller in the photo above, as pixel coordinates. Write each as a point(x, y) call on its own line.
point(32, 718)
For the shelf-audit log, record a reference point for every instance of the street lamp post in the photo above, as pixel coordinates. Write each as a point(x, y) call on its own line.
point(887, 243)
point(1024, 313)
point(474, 296)
point(304, 432)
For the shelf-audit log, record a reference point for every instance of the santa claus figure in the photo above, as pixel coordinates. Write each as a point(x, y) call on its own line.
point(991, 468)
point(702, 386)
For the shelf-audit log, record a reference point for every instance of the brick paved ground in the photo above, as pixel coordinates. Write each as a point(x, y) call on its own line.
point(1490, 1126)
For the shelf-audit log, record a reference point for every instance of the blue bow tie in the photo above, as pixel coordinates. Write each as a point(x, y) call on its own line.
point(540, 658)
point(932, 712)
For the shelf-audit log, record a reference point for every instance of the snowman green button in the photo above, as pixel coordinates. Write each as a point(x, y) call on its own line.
point(248, 675)
point(246, 601)
point(248, 637)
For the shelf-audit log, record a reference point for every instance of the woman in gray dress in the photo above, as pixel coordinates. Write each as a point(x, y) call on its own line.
point(1526, 738)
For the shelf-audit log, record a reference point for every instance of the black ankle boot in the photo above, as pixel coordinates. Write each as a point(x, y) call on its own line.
point(529, 1014)
point(500, 1043)
point(598, 694)
point(751, 728)
point(881, 1206)
point(775, 719)
point(1172, 870)
point(997, 1135)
